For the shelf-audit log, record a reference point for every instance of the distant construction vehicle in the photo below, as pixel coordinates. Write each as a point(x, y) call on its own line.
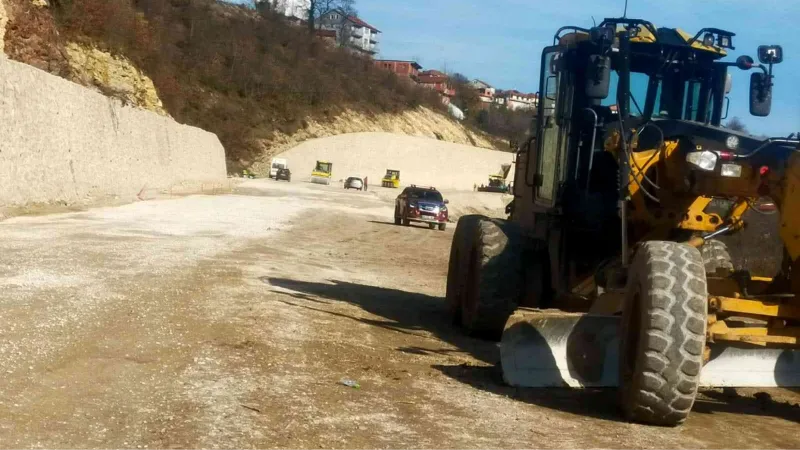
point(497, 181)
point(391, 179)
point(322, 173)
point(608, 271)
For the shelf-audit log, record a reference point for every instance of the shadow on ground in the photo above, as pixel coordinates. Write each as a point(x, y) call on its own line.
point(411, 225)
point(595, 403)
point(416, 314)
point(384, 222)
point(405, 312)
point(759, 404)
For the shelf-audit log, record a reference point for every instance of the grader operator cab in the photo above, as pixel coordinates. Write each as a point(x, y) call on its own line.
point(607, 272)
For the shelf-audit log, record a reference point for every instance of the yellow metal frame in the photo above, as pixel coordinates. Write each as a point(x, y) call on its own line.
point(678, 207)
point(727, 307)
point(790, 208)
point(718, 331)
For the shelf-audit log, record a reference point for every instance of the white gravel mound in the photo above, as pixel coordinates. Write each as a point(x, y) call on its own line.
point(420, 160)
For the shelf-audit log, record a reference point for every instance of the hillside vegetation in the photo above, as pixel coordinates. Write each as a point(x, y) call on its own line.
point(251, 78)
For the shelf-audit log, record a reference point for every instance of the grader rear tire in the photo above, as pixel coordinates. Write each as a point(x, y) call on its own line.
point(456, 269)
point(663, 333)
point(493, 277)
point(716, 256)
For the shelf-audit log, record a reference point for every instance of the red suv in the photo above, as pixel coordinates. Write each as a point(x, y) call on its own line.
point(421, 204)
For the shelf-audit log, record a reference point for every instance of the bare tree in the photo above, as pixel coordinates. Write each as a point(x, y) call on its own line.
point(348, 7)
point(736, 124)
point(317, 8)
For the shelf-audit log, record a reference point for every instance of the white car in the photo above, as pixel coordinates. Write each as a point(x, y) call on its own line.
point(354, 183)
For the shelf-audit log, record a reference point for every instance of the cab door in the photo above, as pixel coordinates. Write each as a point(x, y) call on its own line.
point(555, 105)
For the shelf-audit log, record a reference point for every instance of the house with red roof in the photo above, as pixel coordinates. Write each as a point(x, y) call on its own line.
point(514, 99)
point(401, 67)
point(351, 31)
point(438, 81)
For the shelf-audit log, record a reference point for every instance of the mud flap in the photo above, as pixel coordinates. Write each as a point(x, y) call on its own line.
point(551, 348)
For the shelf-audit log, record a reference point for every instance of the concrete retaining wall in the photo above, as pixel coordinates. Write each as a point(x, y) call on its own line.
point(62, 142)
point(421, 161)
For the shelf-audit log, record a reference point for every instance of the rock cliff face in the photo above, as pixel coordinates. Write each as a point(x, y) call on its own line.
point(34, 36)
point(3, 23)
point(64, 143)
point(113, 75)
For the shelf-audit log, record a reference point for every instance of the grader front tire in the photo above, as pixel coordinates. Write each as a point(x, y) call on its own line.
point(663, 333)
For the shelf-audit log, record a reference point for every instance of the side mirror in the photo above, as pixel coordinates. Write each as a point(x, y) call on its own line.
point(598, 77)
point(770, 54)
point(760, 94)
point(744, 62)
point(446, 202)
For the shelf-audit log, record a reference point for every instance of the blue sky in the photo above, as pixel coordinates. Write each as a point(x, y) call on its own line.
point(500, 41)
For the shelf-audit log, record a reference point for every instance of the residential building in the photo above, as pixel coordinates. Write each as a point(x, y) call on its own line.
point(327, 35)
point(517, 100)
point(351, 31)
point(486, 92)
point(404, 68)
point(438, 81)
point(295, 10)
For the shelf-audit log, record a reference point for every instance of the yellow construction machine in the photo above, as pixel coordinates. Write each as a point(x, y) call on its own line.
point(322, 173)
point(608, 271)
point(391, 179)
point(497, 181)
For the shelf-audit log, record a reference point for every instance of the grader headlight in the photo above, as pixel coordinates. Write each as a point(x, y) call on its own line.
point(731, 170)
point(705, 160)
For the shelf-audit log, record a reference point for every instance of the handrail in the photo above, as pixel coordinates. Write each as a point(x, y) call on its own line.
point(556, 36)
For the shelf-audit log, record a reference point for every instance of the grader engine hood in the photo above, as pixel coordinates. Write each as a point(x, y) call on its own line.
point(707, 136)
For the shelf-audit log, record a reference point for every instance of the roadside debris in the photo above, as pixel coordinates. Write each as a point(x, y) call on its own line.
point(350, 383)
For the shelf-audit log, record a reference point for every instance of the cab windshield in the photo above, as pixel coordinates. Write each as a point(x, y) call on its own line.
point(639, 85)
point(433, 196)
point(323, 167)
point(673, 96)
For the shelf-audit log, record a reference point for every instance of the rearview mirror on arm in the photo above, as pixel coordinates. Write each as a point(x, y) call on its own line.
point(598, 77)
point(770, 54)
point(760, 94)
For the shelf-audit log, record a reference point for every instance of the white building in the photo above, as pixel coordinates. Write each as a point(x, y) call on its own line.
point(289, 8)
point(485, 91)
point(351, 31)
point(517, 100)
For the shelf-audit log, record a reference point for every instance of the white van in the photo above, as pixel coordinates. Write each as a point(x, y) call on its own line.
point(277, 163)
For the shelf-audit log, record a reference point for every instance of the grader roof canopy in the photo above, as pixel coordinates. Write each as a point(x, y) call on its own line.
point(713, 41)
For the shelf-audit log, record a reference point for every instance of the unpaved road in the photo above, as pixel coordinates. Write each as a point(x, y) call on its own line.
point(228, 321)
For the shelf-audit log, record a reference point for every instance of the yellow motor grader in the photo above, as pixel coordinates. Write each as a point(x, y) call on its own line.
point(608, 271)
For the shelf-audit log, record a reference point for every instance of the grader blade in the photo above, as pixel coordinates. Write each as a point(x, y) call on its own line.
point(751, 367)
point(550, 348)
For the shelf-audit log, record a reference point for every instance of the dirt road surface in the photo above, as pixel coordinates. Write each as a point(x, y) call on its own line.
point(229, 321)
